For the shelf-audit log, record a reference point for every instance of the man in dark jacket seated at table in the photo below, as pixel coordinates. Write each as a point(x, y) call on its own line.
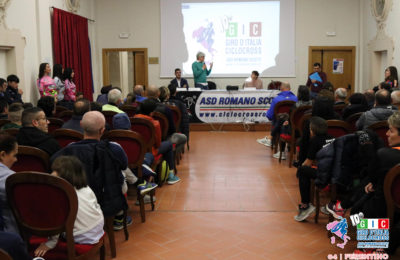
point(104, 162)
point(34, 131)
point(80, 108)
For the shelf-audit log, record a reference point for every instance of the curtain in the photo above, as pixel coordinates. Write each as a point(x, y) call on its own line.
point(71, 48)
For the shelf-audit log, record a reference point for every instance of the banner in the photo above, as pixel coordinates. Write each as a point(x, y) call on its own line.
point(234, 106)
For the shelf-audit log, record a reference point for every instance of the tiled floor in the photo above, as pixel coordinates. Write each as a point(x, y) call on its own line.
point(234, 202)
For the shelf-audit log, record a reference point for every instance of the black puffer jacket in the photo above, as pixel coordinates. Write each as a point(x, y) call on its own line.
point(349, 157)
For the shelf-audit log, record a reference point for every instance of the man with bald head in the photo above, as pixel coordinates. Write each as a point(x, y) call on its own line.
point(104, 162)
point(284, 95)
point(381, 111)
point(138, 90)
point(80, 108)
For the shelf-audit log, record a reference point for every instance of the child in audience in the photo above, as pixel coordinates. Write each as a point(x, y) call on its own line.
point(88, 226)
point(307, 171)
point(45, 84)
point(14, 115)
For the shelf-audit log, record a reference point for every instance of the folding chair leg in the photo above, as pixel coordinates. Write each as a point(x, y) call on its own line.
point(291, 153)
point(316, 205)
point(109, 226)
point(152, 200)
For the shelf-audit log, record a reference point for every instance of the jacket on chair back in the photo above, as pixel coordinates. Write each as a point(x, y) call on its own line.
point(103, 170)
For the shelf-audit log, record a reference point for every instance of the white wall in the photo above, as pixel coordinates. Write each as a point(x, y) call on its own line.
point(370, 30)
point(32, 18)
point(141, 18)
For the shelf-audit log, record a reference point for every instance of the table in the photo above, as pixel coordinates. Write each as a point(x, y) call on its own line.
point(221, 106)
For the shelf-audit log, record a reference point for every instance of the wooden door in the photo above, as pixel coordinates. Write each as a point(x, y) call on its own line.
point(343, 74)
point(139, 67)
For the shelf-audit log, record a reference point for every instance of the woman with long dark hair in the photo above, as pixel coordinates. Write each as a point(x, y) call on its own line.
point(391, 76)
point(58, 79)
point(45, 84)
point(70, 88)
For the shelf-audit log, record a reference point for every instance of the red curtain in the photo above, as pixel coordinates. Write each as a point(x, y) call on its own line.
point(72, 48)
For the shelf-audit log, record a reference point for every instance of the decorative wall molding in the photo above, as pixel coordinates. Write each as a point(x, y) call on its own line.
point(3, 7)
point(72, 5)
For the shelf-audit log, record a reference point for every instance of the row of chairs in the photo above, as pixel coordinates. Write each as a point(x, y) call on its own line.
point(336, 128)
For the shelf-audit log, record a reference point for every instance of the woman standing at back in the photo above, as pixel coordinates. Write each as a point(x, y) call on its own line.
point(45, 84)
point(58, 80)
point(391, 76)
point(70, 88)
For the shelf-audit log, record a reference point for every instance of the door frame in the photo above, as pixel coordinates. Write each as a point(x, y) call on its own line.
point(106, 75)
point(335, 48)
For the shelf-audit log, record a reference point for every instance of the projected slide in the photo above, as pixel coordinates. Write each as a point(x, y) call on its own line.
point(236, 36)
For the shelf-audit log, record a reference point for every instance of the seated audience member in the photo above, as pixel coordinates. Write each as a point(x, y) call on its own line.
point(303, 96)
point(340, 96)
point(139, 91)
point(8, 153)
point(89, 218)
point(391, 76)
point(79, 95)
point(253, 81)
point(323, 107)
point(48, 104)
point(114, 100)
point(178, 81)
point(380, 112)
point(284, 95)
point(34, 131)
point(164, 147)
point(13, 244)
point(370, 96)
point(184, 126)
point(3, 87)
point(395, 95)
point(327, 90)
point(357, 103)
point(102, 98)
point(103, 162)
point(307, 171)
point(3, 108)
point(80, 108)
point(154, 93)
point(130, 99)
point(122, 122)
point(13, 93)
point(27, 105)
point(14, 115)
point(96, 106)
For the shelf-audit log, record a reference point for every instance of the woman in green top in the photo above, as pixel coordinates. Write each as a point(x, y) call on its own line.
point(200, 71)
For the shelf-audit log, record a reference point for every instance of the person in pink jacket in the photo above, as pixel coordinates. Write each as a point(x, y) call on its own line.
point(70, 88)
point(45, 84)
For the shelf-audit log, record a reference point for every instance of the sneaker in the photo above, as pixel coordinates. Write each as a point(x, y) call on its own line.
point(119, 222)
point(323, 210)
point(172, 179)
point(147, 171)
point(304, 213)
point(335, 209)
point(146, 187)
point(265, 141)
point(146, 199)
point(276, 156)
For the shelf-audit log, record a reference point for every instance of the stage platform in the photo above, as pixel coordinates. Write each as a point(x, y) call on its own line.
point(234, 127)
